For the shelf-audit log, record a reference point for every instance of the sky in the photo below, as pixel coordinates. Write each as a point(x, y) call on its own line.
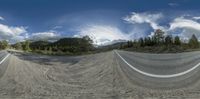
point(105, 21)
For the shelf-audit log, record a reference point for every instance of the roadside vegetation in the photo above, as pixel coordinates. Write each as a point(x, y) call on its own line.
point(64, 46)
point(160, 43)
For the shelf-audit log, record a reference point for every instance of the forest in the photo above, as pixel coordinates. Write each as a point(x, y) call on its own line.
point(161, 43)
point(64, 46)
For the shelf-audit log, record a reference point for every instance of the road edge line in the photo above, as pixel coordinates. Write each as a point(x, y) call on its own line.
point(4, 58)
point(155, 75)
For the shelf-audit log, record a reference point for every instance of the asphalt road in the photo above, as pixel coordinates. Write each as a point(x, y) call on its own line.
point(3, 62)
point(160, 70)
point(107, 75)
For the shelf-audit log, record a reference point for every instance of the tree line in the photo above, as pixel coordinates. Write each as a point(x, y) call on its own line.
point(62, 46)
point(4, 45)
point(161, 43)
point(157, 43)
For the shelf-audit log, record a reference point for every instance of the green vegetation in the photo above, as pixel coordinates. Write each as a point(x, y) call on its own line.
point(193, 42)
point(64, 46)
point(18, 46)
point(4, 44)
point(25, 45)
point(159, 43)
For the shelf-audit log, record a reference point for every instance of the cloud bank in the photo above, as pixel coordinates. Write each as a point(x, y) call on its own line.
point(15, 34)
point(139, 18)
point(102, 34)
point(49, 36)
point(8, 32)
point(184, 23)
point(143, 24)
point(181, 25)
point(186, 27)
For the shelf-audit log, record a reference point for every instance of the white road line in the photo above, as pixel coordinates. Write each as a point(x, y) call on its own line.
point(155, 75)
point(4, 58)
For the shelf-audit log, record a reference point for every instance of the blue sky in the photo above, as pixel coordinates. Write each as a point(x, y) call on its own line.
point(105, 21)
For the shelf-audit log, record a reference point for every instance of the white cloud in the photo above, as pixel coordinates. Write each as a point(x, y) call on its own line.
point(51, 36)
point(1, 18)
point(186, 27)
point(102, 34)
point(18, 34)
point(196, 18)
point(17, 39)
point(184, 23)
point(182, 26)
point(139, 18)
point(58, 27)
point(8, 32)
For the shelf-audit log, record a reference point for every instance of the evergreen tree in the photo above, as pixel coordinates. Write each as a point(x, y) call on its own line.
point(26, 45)
point(121, 46)
point(168, 40)
point(141, 42)
point(147, 41)
point(177, 40)
point(18, 46)
point(193, 42)
point(129, 44)
point(4, 44)
point(153, 41)
point(159, 36)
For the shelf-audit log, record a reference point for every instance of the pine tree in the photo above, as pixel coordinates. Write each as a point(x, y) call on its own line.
point(26, 46)
point(177, 40)
point(18, 46)
point(4, 44)
point(168, 40)
point(141, 42)
point(193, 42)
point(159, 36)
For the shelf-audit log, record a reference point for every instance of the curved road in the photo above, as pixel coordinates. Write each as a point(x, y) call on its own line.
point(161, 70)
point(103, 75)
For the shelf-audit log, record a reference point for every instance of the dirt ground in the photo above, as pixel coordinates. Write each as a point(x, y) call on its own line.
point(96, 76)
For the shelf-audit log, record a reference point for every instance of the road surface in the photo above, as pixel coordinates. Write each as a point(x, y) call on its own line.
point(161, 70)
point(4, 55)
point(100, 76)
